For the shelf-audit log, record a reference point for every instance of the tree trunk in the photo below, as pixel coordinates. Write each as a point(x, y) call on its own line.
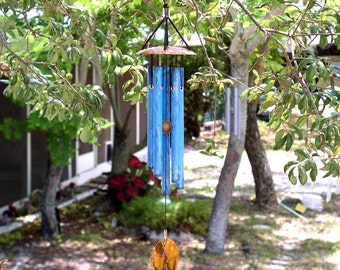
point(244, 42)
point(264, 186)
point(220, 212)
point(239, 55)
point(49, 215)
point(219, 217)
point(121, 152)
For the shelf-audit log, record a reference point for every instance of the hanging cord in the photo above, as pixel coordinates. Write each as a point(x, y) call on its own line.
point(151, 72)
point(165, 222)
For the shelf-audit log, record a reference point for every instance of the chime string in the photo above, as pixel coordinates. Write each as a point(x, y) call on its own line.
point(151, 71)
point(171, 86)
point(165, 221)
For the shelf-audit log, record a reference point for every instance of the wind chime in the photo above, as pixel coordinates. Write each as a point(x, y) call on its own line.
point(165, 125)
point(233, 111)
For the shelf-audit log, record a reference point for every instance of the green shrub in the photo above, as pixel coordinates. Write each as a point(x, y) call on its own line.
point(10, 239)
point(182, 215)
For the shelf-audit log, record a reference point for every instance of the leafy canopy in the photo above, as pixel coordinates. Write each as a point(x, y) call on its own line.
point(299, 86)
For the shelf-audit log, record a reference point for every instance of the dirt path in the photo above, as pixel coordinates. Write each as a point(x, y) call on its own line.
point(277, 159)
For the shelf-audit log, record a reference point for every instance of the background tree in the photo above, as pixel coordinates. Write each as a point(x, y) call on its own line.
point(48, 50)
point(273, 83)
point(40, 49)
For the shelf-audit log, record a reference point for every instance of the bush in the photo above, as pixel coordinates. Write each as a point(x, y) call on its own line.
point(136, 182)
point(182, 215)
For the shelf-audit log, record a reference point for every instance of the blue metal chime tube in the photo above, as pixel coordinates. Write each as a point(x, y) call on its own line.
point(166, 105)
point(166, 136)
point(177, 132)
point(157, 105)
point(150, 116)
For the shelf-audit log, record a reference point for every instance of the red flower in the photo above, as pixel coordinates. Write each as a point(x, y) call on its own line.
point(135, 163)
point(131, 191)
point(174, 193)
point(121, 196)
point(12, 208)
point(154, 178)
point(119, 181)
point(72, 185)
point(139, 182)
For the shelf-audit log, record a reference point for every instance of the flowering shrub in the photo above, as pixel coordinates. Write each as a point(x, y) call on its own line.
point(137, 181)
point(66, 192)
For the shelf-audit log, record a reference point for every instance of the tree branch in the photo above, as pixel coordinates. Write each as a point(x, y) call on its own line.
point(127, 118)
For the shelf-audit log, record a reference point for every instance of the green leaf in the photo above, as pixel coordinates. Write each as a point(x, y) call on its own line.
point(124, 69)
point(298, 130)
point(269, 86)
point(300, 122)
point(302, 65)
point(290, 141)
point(311, 4)
point(210, 39)
point(280, 143)
point(288, 165)
point(257, 76)
point(279, 135)
point(315, 124)
point(311, 72)
point(314, 170)
point(323, 73)
point(212, 6)
point(85, 134)
point(103, 61)
point(302, 175)
point(301, 154)
point(314, 29)
point(270, 101)
point(101, 35)
point(209, 140)
point(323, 41)
point(287, 96)
point(292, 178)
point(302, 103)
point(318, 141)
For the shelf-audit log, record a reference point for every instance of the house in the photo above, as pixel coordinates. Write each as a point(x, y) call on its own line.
point(23, 162)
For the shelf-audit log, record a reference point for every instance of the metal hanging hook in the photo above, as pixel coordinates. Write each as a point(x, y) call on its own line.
point(166, 20)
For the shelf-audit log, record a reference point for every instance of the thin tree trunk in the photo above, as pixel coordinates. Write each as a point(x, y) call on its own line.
point(49, 215)
point(244, 42)
point(121, 152)
point(220, 212)
point(264, 186)
point(218, 223)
